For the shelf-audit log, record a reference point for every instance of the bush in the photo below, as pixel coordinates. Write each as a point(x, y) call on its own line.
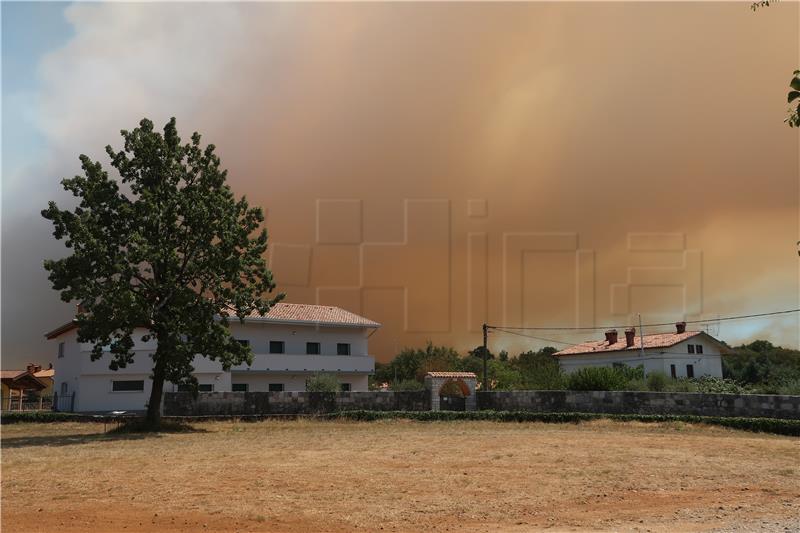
point(681, 385)
point(599, 378)
point(323, 382)
point(657, 381)
point(713, 385)
point(765, 425)
point(12, 417)
point(407, 385)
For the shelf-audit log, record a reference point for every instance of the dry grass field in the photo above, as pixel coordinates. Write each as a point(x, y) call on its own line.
point(398, 476)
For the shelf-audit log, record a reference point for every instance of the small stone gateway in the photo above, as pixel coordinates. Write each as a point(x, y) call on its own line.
point(466, 381)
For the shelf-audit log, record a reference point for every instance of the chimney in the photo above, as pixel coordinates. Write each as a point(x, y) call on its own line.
point(680, 327)
point(611, 336)
point(630, 334)
point(33, 368)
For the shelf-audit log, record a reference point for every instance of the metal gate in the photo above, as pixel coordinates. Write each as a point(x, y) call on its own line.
point(452, 403)
point(64, 402)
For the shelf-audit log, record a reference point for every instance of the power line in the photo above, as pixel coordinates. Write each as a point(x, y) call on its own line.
point(706, 321)
point(532, 337)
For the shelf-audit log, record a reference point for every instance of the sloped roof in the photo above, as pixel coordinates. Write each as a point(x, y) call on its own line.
point(655, 340)
point(46, 373)
point(314, 314)
point(452, 375)
point(308, 314)
point(21, 379)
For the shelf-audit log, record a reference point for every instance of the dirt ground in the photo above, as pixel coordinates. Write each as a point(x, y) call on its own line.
point(398, 476)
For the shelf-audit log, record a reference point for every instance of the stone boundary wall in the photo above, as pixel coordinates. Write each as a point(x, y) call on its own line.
point(625, 402)
point(291, 403)
point(622, 402)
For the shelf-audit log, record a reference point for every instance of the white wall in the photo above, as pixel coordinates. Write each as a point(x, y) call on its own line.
point(709, 363)
point(91, 380)
point(259, 381)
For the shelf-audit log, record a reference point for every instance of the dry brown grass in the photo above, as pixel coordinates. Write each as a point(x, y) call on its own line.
point(395, 476)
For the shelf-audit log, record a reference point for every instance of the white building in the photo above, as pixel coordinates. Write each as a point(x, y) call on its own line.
point(680, 354)
point(290, 343)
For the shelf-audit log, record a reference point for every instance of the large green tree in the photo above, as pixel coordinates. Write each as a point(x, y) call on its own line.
point(167, 248)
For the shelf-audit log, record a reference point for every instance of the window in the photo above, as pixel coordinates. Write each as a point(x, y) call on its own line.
point(343, 348)
point(690, 347)
point(276, 387)
point(312, 348)
point(239, 387)
point(689, 371)
point(64, 388)
point(699, 348)
point(345, 387)
point(243, 342)
point(276, 347)
point(128, 385)
point(672, 372)
point(60, 350)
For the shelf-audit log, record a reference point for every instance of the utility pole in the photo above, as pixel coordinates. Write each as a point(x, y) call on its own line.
point(485, 357)
point(641, 337)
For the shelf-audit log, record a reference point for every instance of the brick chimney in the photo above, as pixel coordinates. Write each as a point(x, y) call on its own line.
point(611, 336)
point(630, 334)
point(680, 327)
point(33, 368)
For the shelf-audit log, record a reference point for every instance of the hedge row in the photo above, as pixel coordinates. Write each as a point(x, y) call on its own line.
point(13, 417)
point(763, 425)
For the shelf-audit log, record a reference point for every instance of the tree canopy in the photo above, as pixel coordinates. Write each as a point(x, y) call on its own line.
point(167, 248)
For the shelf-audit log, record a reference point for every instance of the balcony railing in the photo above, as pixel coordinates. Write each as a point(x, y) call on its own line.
point(308, 363)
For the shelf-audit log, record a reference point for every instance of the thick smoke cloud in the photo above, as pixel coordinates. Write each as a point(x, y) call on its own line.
point(600, 120)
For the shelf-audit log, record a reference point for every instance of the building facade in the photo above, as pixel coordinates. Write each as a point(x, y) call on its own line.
point(290, 344)
point(682, 354)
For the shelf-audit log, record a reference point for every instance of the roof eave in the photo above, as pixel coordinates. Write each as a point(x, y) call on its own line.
point(284, 321)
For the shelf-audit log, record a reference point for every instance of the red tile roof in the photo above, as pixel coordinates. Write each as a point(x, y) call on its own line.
point(323, 315)
point(314, 314)
point(452, 375)
point(655, 340)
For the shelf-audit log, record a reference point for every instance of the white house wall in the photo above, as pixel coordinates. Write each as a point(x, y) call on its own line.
point(260, 381)
point(709, 363)
point(91, 381)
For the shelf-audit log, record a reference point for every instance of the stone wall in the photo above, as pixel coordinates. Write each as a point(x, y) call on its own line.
point(269, 403)
point(675, 403)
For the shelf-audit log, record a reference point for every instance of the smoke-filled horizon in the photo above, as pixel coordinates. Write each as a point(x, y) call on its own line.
point(435, 166)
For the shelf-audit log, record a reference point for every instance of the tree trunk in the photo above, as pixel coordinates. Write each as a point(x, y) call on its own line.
point(153, 420)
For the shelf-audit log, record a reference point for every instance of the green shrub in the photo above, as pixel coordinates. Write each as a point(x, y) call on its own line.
point(323, 382)
point(407, 385)
point(637, 385)
point(791, 387)
point(657, 381)
point(713, 385)
point(765, 425)
point(12, 417)
point(681, 385)
point(599, 378)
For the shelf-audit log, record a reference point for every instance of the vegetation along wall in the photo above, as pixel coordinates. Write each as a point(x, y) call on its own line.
point(635, 402)
point(674, 403)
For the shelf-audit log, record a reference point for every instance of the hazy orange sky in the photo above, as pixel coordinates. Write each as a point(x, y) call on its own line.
point(434, 166)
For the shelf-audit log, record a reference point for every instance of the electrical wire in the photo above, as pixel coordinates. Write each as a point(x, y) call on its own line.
point(660, 324)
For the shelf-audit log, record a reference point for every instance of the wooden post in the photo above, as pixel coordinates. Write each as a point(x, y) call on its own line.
point(485, 356)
